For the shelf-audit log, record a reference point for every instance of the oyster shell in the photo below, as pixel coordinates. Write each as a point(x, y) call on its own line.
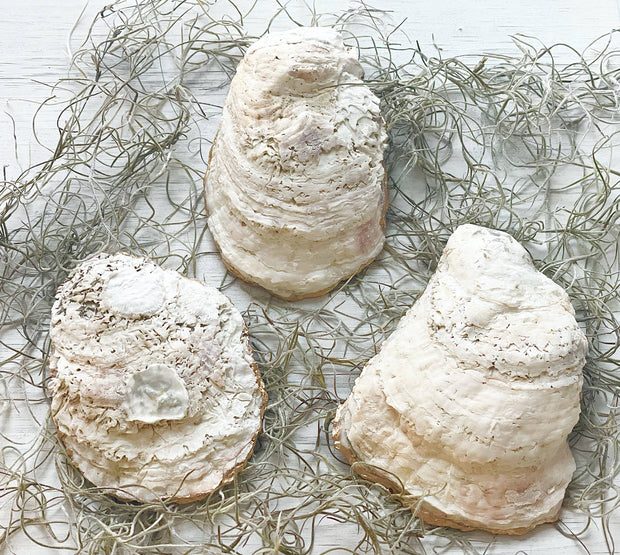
point(295, 188)
point(470, 401)
point(153, 385)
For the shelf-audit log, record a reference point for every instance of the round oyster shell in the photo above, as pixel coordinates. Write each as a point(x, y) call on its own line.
point(470, 401)
point(295, 188)
point(154, 390)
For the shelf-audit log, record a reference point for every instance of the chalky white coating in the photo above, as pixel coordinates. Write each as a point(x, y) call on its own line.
point(295, 187)
point(154, 388)
point(470, 401)
point(130, 293)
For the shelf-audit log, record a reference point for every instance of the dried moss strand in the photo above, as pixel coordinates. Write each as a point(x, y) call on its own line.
point(486, 140)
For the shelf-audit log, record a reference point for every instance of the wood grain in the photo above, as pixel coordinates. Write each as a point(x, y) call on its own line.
point(35, 50)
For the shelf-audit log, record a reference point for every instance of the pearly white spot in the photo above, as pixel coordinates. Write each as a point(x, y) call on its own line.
point(156, 393)
point(133, 293)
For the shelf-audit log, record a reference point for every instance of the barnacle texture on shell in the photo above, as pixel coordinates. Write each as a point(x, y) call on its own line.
point(154, 388)
point(470, 401)
point(295, 187)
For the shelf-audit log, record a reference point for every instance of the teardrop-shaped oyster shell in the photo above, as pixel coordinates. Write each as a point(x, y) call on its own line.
point(154, 390)
point(295, 188)
point(470, 401)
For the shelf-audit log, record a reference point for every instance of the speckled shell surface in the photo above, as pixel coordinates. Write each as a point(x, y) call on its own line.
point(153, 386)
point(295, 188)
point(470, 401)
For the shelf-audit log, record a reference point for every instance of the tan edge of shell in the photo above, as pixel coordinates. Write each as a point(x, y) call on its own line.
point(291, 298)
point(419, 508)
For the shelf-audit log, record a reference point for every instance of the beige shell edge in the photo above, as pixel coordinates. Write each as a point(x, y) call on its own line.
point(422, 510)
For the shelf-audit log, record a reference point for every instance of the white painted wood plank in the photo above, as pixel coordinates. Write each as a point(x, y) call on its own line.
point(34, 54)
point(473, 26)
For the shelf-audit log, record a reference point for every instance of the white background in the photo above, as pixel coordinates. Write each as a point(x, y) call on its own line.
point(34, 54)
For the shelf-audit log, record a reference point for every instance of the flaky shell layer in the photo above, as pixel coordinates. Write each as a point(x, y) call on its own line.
point(470, 401)
point(154, 390)
point(295, 188)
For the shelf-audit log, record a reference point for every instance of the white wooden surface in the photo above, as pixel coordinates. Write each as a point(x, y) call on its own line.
point(34, 54)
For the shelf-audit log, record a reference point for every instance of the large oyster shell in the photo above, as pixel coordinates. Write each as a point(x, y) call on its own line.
point(154, 388)
point(295, 188)
point(470, 401)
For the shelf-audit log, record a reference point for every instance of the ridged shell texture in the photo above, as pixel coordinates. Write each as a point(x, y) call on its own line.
point(470, 401)
point(295, 188)
point(154, 388)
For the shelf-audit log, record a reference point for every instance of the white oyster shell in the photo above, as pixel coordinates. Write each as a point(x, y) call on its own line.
point(295, 188)
point(470, 401)
point(154, 388)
